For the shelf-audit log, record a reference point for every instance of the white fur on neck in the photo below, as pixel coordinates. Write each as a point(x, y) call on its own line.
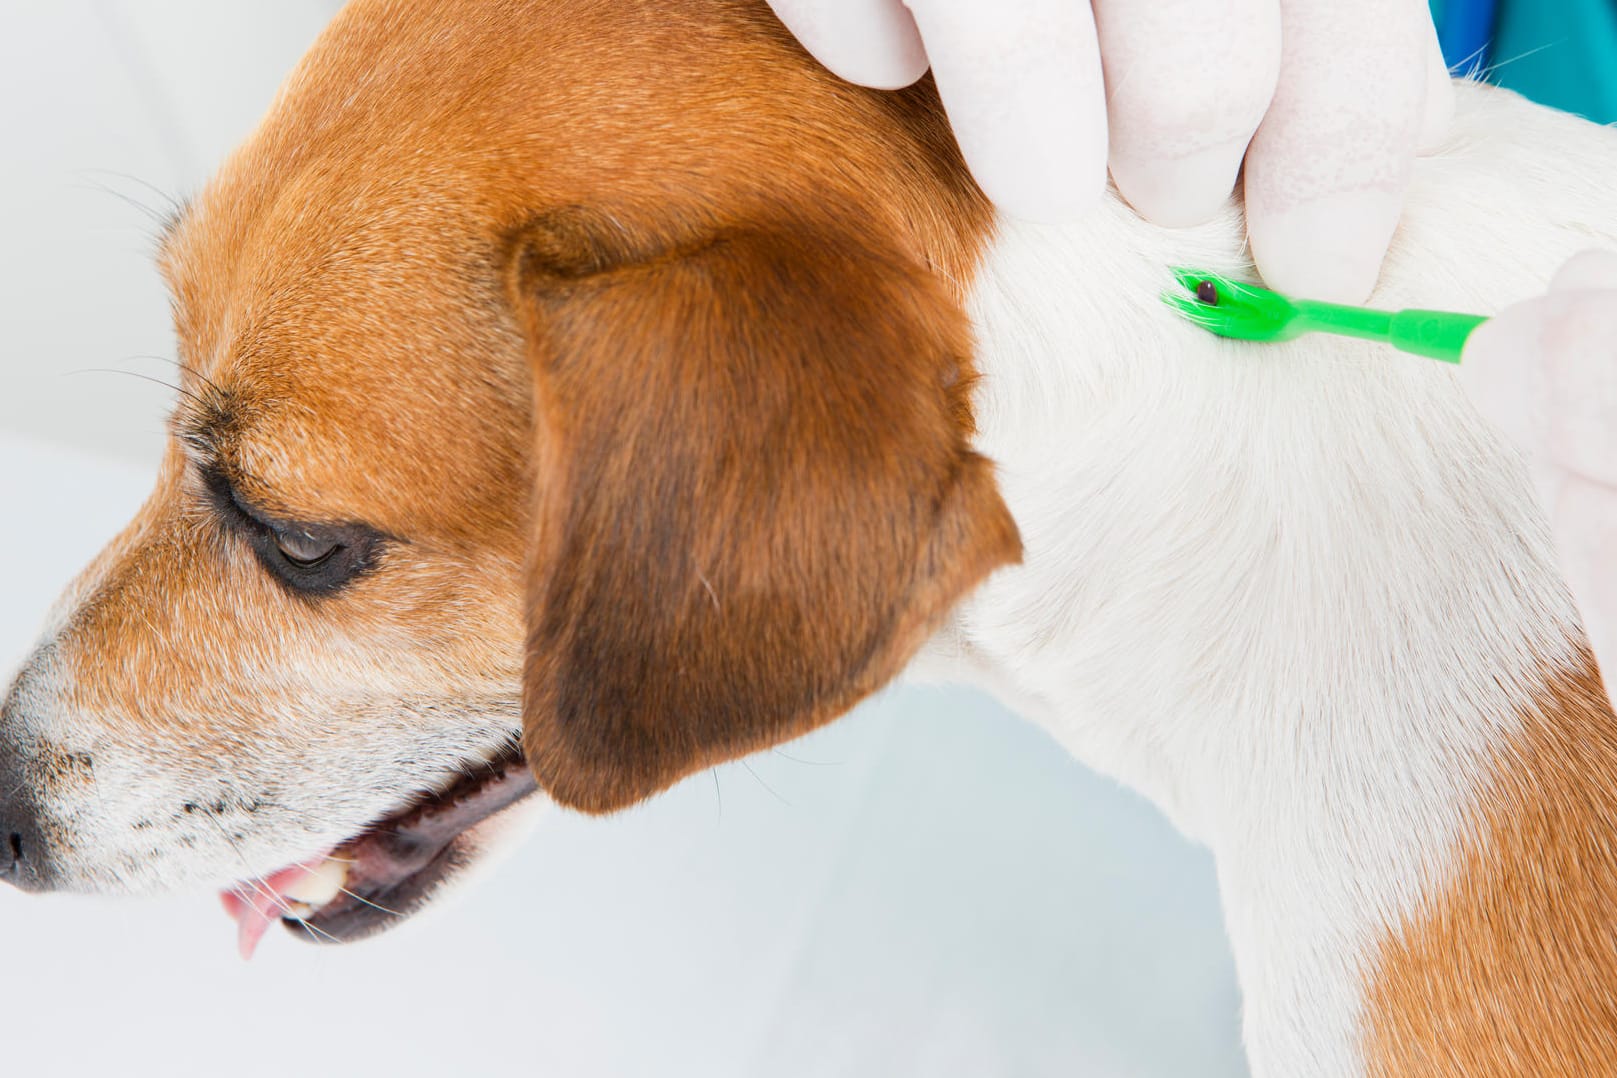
point(1294, 593)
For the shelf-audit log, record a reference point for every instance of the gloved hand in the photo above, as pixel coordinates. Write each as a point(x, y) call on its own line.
point(1545, 372)
point(1340, 101)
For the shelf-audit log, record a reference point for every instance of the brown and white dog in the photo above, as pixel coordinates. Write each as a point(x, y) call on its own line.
point(592, 392)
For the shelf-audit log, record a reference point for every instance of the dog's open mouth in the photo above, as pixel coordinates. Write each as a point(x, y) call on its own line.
point(388, 871)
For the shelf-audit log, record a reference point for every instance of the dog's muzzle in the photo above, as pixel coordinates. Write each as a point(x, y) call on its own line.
point(24, 857)
point(20, 845)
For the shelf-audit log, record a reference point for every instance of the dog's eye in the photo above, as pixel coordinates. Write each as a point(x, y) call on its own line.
point(303, 550)
point(310, 559)
point(317, 559)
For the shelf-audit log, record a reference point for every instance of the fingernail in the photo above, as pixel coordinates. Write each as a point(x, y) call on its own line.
point(1182, 191)
point(1329, 248)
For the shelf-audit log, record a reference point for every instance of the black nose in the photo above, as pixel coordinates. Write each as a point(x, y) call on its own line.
point(23, 860)
point(19, 838)
point(22, 849)
point(11, 857)
point(20, 845)
point(17, 845)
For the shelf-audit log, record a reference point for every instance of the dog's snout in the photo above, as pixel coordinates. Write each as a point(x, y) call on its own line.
point(11, 857)
point(19, 839)
point(14, 844)
point(20, 846)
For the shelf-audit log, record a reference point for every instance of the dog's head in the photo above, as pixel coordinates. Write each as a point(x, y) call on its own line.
point(571, 390)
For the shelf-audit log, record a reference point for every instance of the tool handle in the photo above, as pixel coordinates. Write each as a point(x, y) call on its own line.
point(1317, 316)
point(1435, 334)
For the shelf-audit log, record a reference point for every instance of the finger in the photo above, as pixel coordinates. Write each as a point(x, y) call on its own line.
point(1578, 344)
point(1583, 520)
point(1187, 82)
point(1330, 164)
point(869, 42)
point(1591, 270)
point(1502, 375)
point(1437, 113)
point(1022, 85)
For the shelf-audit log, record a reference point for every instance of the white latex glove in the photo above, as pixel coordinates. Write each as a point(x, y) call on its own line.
point(1545, 372)
point(1326, 100)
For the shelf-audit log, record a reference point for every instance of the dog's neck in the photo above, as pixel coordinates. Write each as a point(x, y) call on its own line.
point(1300, 596)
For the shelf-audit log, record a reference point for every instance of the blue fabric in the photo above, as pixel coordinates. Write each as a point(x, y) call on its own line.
point(1560, 52)
point(1465, 30)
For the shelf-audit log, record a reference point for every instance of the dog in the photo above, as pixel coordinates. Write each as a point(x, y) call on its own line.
point(578, 395)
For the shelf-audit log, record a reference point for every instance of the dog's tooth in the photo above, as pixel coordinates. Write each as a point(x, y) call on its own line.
point(319, 886)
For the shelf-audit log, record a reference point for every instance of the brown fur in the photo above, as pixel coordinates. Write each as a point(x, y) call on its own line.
point(756, 495)
point(1511, 969)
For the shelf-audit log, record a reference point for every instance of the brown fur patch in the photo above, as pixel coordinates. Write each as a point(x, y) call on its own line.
point(756, 496)
point(1512, 969)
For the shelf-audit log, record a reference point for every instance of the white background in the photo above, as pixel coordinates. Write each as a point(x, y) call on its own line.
point(929, 887)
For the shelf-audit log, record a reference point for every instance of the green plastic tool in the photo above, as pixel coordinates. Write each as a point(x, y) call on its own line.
point(1249, 313)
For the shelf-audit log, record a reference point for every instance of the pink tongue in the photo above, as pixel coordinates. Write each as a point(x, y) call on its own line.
point(260, 903)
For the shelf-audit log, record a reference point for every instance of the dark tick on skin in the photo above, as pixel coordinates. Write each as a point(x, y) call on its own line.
point(1207, 292)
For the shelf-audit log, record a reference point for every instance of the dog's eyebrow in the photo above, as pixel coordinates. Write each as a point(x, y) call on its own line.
point(208, 423)
point(206, 418)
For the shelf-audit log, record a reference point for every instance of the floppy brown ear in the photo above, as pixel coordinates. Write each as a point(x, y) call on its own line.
point(755, 496)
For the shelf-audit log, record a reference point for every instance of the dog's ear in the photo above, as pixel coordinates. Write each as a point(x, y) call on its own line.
point(754, 499)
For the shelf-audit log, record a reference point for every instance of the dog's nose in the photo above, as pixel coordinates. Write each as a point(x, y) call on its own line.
point(11, 857)
point(19, 845)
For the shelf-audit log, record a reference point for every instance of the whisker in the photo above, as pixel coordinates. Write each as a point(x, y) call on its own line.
point(314, 933)
point(259, 884)
point(1470, 67)
point(157, 218)
point(176, 205)
point(283, 904)
point(764, 784)
point(145, 378)
point(351, 894)
point(252, 879)
point(1494, 68)
point(783, 754)
point(368, 902)
point(182, 366)
point(193, 372)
